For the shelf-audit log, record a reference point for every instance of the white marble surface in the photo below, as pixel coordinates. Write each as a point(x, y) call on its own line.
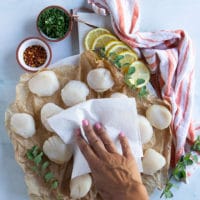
point(18, 21)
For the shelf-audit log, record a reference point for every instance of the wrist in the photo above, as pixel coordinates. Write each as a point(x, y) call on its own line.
point(137, 191)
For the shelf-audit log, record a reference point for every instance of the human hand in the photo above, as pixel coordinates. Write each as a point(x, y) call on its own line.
point(116, 176)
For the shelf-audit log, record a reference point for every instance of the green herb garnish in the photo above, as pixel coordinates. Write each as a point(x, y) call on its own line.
point(179, 172)
point(167, 191)
point(131, 71)
point(53, 22)
point(40, 166)
point(101, 52)
point(143, 92)
point(196, 145)
point(140, 81)
point(115, 59)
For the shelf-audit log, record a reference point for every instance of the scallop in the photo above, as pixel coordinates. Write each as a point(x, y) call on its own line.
point(56, 150)
point(80, 186)
point(152, 161)
point(23, 124)
point(100, 79)
point(48, 110)
point(159, 116)
point(74, 92)
point(146, 130)
point(118, 95)
point(44, 84)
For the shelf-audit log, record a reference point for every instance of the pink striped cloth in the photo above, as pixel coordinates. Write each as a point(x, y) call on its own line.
point(169, 55)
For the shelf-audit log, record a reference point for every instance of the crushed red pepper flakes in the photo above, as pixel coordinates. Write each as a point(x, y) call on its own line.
point(35, 56)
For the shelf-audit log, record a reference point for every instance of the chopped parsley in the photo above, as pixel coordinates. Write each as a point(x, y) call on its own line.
point(53, 22)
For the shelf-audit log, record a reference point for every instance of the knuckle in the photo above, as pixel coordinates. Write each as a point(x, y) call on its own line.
point(89, 131)
point(108, 145)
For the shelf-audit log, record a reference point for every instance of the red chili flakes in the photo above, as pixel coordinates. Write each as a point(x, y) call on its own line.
point(35, 56)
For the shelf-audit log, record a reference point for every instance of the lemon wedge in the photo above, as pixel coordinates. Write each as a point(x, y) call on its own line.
point(92, 35)
point(138, 74)
point(103, 40)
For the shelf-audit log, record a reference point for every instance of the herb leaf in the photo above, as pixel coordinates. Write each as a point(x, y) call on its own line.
point(143, 92)
point(196, 145)
point(48, 176)
point(45, 165)
point(38, 158)
point(167, 191)
point(54, 185)
point(34, 150)
point(131, 71)
point(140, 81)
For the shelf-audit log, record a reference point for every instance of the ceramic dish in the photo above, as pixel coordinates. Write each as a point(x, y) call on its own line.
point(51, 21)
point(30, 42)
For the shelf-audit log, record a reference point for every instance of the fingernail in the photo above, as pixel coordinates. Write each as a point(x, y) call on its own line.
point(121, 134)
point(98, 126)
point(85, 122)
point(78, 132)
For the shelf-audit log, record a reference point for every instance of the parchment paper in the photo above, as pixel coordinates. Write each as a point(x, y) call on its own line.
point(29, 103)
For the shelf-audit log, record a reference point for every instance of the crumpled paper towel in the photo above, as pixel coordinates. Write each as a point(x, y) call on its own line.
point(116, 114)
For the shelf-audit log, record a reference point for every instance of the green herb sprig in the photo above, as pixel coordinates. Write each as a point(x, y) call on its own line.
point(40, 166)
point(143, 92)
point(179, 172)
point(115, 59)
point(196, 145)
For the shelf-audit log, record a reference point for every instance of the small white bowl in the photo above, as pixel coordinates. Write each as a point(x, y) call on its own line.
point(30, 42)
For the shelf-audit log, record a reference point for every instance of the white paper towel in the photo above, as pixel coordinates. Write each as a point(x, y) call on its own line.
point(116, 114)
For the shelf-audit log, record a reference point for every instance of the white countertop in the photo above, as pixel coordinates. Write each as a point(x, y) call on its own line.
point(18, 22)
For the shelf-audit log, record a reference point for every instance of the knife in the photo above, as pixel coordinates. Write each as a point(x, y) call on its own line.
point(74, 35)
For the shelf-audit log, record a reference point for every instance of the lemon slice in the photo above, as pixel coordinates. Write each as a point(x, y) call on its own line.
point(118, 48)
point(126, 58)
point(111, 44)
point(103, 40)
point(92, 35)
point(138, 74)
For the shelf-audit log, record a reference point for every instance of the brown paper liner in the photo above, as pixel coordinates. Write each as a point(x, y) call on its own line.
point(30, 103)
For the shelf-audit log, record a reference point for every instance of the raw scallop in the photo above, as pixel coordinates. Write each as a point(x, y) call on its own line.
point(74, 92)
point(56, 150)
point(118, 95)
point(44, 84)
point(48, 110)
point(23, 124)
point(146, 130)
point(80, 186)
point(159, 116)
point(100, 79)
point(152, 161)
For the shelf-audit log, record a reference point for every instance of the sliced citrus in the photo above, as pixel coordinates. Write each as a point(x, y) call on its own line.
point(103, 40)
point(138, 74)
point(112, 43)
point(117, 49)
point(123, 59)
point(92, 35)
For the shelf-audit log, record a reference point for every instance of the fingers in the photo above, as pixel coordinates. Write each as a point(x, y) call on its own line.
point(85, 148)
point(125, 146)
point(93, 139)
point(109, 145)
